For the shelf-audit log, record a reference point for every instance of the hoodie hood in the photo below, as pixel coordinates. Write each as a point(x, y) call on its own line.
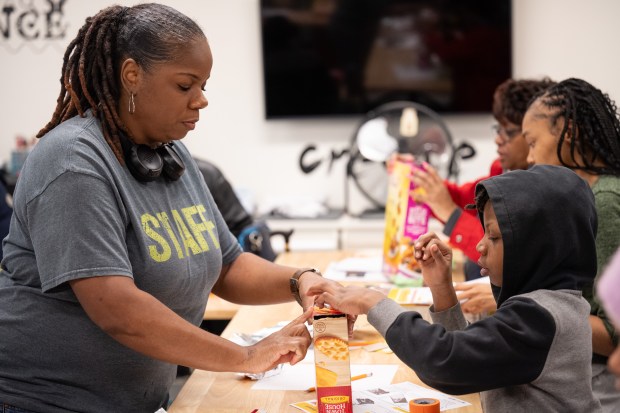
point(548, 221)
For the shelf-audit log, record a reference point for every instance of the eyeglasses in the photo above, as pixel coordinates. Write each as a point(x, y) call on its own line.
point(506, 134)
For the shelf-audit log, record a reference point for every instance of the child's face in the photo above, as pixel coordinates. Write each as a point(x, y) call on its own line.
point(491, 247)
point(541, 139)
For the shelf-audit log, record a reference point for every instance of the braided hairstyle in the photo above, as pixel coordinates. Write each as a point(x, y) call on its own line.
point(511, 98)
point(148, 33)
point(593, 117)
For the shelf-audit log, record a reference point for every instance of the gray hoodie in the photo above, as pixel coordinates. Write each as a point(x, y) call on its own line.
point(534, 353)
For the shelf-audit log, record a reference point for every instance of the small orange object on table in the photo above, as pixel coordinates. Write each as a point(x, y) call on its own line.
point(426, 405)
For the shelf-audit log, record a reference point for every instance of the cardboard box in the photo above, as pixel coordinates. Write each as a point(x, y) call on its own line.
point(331, 358)
point(405, 221)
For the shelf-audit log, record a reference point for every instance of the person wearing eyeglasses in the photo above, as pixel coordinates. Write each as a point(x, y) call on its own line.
point(447, 199)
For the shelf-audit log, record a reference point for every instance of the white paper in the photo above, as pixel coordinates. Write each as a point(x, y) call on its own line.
point(363, 269)
point(383, 399)
point(411, 295)
point(302, 376)
point(481, 280)
point(400, 394)
point(370, 264)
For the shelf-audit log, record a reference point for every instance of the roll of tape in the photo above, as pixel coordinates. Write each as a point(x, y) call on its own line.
point(424, 406)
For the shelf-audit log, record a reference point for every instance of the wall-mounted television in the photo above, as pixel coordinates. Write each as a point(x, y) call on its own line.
point(346, 57)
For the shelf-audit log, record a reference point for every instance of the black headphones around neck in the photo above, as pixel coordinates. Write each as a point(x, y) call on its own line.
point(147, 164)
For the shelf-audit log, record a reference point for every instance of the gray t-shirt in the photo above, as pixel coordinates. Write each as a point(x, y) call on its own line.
point(79, 213)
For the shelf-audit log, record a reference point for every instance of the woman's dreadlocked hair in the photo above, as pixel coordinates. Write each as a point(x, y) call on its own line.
point(593, 117)
point(512, 97)
point(149, 33)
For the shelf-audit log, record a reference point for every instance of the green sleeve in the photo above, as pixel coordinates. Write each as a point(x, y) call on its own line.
point(607, 240)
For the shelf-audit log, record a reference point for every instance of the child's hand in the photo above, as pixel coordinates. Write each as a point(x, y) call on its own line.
point(435, 259)
point(350, 300)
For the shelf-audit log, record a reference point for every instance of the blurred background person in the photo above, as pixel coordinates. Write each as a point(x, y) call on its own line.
point(608, 289)
point(5, 213)
point(447, 199)
point(576, 125)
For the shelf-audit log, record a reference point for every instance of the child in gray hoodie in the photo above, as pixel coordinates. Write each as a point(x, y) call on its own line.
point(534, 353)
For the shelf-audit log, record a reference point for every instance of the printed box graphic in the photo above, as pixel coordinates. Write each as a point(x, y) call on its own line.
point(331, 358)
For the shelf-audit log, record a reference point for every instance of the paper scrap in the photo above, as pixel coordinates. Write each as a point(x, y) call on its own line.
point(388, 399)
point(363, 269)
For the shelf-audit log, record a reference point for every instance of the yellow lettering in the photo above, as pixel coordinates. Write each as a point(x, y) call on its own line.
point(209, 225)
point(188, 240)
point(197, 228)
point(165, 221)
point(148, 220)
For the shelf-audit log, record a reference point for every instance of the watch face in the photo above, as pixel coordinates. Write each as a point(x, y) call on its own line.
point(294, 281)
point(294, 285)
point(295, 289)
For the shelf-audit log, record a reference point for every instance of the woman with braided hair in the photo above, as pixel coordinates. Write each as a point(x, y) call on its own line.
point(116, 243)
point(447, 200)
point(576, 125)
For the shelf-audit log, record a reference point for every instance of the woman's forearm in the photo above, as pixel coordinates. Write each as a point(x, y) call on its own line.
point(253, 280)
point(141, 322)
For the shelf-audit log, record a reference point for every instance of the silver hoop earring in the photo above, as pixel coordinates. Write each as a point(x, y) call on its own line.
point(132, 104)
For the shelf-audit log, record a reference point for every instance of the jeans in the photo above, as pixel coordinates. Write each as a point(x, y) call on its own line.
point(7, 408)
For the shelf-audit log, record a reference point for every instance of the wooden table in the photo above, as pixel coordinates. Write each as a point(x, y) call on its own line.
point(227, 393)
point(220, 309)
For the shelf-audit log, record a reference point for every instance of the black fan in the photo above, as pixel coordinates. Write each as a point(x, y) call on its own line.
point(403, 127)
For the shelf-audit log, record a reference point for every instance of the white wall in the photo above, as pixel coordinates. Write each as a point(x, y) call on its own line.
point(559, 38)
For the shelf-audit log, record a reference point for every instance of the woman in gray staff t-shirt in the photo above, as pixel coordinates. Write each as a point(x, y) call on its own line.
point(115, 242)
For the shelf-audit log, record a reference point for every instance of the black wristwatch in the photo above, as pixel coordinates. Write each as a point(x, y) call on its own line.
point(294, 281)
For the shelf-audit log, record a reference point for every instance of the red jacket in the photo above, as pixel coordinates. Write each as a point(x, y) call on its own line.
point(467, 231)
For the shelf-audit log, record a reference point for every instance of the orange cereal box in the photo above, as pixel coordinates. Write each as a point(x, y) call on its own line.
point(405, 221)
point(331, 358)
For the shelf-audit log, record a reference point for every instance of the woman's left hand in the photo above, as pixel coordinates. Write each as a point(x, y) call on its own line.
point(308, 299)
point(306, 281)
point(350, 300)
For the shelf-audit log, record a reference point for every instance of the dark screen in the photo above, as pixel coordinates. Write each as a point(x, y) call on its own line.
point(345, 57)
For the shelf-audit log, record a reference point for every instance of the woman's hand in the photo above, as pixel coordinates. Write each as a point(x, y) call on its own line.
point(306, 281)
point(307, 300)
point(288, 345)
point(435, 193)
point(351, 300)
point(479, 298)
